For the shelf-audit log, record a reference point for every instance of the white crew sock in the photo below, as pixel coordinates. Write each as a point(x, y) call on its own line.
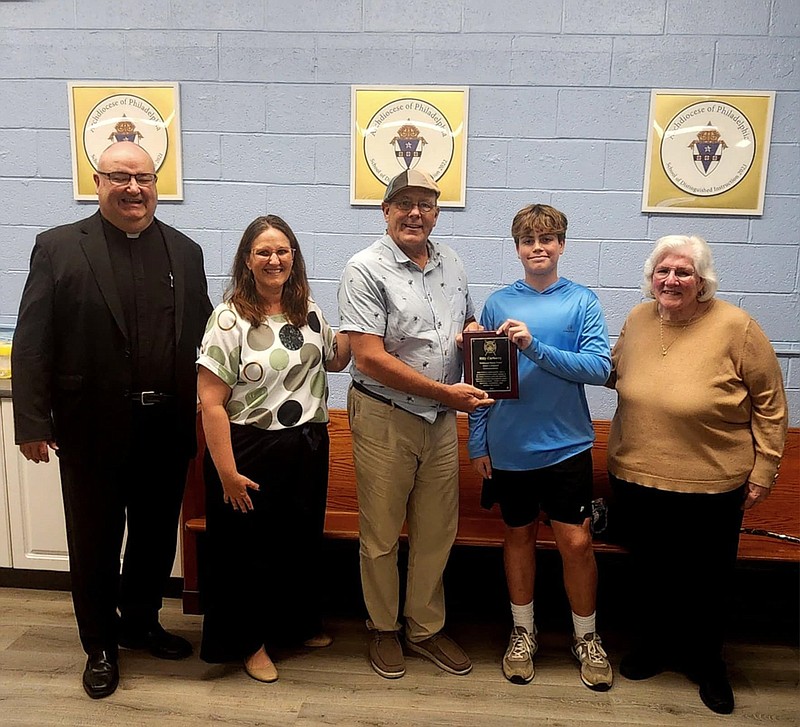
point(523, 616)
point(584, 624)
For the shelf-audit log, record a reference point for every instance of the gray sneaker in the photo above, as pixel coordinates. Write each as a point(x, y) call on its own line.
point(518, 659)
point(595, 669)
point(386, 654)
point(444, 652)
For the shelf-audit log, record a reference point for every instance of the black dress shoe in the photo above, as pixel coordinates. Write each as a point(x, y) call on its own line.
point(101, 675)
point(716, 693)
point(158, 642)
point(639, 665)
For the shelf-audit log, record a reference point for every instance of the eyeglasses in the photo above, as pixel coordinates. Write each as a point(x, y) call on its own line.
point(680, 273)
point(407, 205)
point(283, 253)
point(123, 179)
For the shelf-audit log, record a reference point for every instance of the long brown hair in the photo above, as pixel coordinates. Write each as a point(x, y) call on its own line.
point(241, 291)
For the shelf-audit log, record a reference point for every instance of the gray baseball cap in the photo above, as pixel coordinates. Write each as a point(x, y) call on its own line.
point(410, 178)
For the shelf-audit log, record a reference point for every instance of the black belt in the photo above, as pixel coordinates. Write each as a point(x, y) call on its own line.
point(383, 399)
point(364, 390)
point(150, 398)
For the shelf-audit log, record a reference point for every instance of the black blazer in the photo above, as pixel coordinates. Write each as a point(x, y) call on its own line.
point(70, 356)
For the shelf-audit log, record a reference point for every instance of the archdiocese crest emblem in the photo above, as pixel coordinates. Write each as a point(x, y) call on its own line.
point(125, 130)
point(707, 149)
point(490, 347)
point(408, 145)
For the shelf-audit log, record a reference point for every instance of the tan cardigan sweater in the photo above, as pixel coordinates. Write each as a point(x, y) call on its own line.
point(706, 417)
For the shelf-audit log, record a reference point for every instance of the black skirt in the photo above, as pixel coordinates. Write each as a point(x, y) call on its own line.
point(259, 573)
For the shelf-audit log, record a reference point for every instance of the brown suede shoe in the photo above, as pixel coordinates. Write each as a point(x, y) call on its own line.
point(444, 652)
point(386, 654)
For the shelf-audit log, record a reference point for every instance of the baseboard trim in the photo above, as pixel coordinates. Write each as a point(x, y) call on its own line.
point(60, 581)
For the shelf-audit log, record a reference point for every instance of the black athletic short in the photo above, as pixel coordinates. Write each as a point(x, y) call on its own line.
point(562, 490)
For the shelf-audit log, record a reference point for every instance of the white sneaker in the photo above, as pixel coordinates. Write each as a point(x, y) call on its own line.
point(518, 659)
point(595, 669)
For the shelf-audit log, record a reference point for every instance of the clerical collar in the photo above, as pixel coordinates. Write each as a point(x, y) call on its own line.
point(120, 234)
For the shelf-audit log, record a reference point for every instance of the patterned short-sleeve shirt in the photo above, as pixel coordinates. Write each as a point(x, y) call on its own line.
point(418, 313)
point(276, 370)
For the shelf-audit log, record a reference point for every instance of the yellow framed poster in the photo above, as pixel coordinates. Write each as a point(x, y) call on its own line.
point(102, 113)
point(707, 152)
point(404, 127)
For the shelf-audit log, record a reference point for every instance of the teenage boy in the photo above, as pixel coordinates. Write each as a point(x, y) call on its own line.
point(535, 452)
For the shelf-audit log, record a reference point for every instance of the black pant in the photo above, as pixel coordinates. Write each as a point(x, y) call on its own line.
point(143, 486)
point(683, 547)
point(260, 575)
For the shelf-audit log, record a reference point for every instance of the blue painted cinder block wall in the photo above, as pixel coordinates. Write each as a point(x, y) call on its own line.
point(559, 96)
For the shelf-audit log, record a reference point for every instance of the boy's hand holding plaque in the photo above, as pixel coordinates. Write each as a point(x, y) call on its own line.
point(490, 363)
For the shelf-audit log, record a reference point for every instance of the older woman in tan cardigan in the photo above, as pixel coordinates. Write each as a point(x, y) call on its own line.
point(697, 438)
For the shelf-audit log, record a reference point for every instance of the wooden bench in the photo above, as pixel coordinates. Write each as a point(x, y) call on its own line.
point(476, 526)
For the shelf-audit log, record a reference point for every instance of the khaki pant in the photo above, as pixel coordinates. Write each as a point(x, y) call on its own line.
point(406, 470)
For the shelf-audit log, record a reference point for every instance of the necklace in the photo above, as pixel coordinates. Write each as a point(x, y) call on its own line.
point(664, 348)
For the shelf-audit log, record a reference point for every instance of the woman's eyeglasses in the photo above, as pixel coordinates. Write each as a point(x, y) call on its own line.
point(662, 273)
point(283, 253)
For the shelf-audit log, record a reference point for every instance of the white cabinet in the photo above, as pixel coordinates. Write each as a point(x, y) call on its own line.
point(5, 524)
point(35, 508)
point(32, 530)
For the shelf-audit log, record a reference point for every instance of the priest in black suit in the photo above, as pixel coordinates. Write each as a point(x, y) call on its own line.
point(104, 352)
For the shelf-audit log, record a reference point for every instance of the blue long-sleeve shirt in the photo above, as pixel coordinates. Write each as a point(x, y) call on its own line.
point(550, 421)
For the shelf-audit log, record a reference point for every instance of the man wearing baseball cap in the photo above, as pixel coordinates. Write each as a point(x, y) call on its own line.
point(404, 301)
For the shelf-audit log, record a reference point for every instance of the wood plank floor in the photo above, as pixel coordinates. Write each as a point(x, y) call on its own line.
point(41, 662)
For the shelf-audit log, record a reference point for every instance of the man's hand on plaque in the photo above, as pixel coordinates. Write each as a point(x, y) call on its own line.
point(464, 397)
